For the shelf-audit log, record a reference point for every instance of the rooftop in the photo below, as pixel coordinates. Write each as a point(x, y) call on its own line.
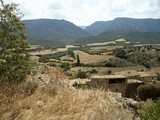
point(147, 74)
point(128, 73)
point(134, 81)
point(109, 76)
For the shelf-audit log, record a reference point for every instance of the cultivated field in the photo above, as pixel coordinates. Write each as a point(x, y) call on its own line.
point(34, 46)
point(104, 70)
point(87, 58)
point(106, 47)
point(66, 48)
point(103, 43)
point(43, 52)
point(67, 58)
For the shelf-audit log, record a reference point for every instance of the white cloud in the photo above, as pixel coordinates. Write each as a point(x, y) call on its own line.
point(85, 12)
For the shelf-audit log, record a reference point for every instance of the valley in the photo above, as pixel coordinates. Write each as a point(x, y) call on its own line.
point(102, 58)
point(52, 68)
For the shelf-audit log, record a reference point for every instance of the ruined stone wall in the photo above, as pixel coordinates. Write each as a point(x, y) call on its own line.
point(149, 79)
point(103, 83)
point(99, 82)
point(131, 90)
point(120, 88)
point(126, 89)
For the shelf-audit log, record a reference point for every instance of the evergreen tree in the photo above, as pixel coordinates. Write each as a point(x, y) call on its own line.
point(78, 60)
point(14, 59)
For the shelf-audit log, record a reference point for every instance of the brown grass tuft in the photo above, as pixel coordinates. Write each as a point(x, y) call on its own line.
point(57, 102)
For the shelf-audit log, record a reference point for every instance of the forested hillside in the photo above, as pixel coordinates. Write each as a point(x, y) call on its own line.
point(132, 36)
point(124, 24)
point(53, 33)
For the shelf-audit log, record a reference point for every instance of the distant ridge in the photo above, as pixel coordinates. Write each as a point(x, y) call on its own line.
point(52, 32)
point(124, 24)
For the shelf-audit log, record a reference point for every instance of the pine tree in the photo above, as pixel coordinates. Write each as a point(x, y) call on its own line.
point(78, 60)
point(14, 59)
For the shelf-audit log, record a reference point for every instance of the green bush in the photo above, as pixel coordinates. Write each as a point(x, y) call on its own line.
point(148, 91)
point(93, 71)
point(140, 58)
point(117, 62)
point(151, 110)
point(65, 66)
point(43, 59)
point(109, 72)
point(158, 77)
point(120, 53)
point(81, 74)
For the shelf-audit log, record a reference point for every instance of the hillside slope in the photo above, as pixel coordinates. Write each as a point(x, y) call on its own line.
point(57, 102)
point(132, 36)
point(53, 33)
point(124, 24)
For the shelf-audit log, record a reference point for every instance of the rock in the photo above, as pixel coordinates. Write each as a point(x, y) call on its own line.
point(39, 103)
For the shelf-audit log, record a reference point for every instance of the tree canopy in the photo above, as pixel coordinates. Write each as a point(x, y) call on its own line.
point(14, 59)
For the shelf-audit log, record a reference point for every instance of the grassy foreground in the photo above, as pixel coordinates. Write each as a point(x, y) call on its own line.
point(29, 101)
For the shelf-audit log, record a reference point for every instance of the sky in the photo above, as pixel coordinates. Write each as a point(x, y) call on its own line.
point(86, 12)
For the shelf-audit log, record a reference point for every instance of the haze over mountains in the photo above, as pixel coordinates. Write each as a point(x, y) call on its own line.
point(125, 24)
point(53, 33)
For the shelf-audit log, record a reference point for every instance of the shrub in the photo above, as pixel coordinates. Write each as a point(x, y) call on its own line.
point(151, 110)
point(148, 91)
point(158, 58)
point(43, 59)
point(109, 72)
point(93, 71)
point(117, 62)
point(81, 74)
point(65, 66)
point(120, 53)
point(140, 58)
point(158, 77)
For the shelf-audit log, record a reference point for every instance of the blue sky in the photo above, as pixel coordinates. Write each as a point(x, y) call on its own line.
point(86, 12)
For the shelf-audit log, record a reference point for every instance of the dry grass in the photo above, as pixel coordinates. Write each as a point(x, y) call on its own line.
point(42, 52)
point(106, 47)
point(58, 102)
point(155, 70)
point(67, 58)
point(103, 43)
point(104, 70)
point(87, 58)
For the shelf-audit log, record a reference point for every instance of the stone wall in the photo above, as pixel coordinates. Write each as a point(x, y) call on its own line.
point(131, 90)
point(120, 88)
point(149, 79)
point(126, 89)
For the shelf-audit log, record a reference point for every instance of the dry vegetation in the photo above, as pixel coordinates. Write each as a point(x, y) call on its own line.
point(42, 52)
point(103, 43)
point(87, 58)
point(104, 70)
point(106, 47)
point(67, 58)
point(28, 101)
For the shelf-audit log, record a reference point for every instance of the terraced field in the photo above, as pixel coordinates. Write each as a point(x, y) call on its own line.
point(106, 47)
point(87, 58)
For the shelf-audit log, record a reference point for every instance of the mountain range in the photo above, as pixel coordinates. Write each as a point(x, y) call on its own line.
point(124, 24)
point(52, 33)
